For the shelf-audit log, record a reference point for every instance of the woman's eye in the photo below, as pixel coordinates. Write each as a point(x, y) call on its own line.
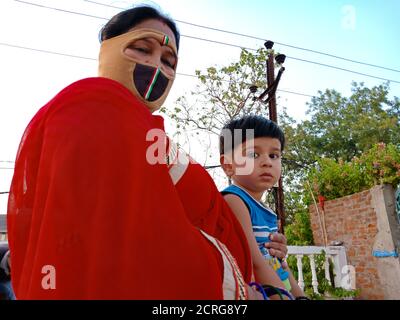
point(139, 46)
point(168, 63)
point(141, 49)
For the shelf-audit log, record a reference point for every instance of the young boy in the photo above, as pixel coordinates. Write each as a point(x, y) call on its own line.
point(250, 149)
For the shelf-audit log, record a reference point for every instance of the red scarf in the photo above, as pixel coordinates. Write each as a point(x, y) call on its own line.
point(85, 202)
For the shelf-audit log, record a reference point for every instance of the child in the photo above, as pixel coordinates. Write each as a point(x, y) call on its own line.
point(250, 149)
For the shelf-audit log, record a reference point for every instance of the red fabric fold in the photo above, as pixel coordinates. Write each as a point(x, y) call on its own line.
point(85, 201)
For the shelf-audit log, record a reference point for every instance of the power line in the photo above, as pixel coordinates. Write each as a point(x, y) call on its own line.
point(45, 51)
point(4, 192)
point(212, 167)
point(337, 57)
point(342, 69)
point(61, 10)
point(222, 43)
point(218, 42)
point(93, 59)
point(4, 161)
point(6, 168)
point(261, 39)
point(284, 160)
point(296, 93)
point(298, 59)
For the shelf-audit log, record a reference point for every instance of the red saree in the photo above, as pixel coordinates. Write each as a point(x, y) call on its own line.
point(85, 201)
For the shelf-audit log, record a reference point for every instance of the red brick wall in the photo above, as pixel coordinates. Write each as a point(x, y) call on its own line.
point(353, 220)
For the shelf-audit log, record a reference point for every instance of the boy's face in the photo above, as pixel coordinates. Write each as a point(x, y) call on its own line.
point(262, 159)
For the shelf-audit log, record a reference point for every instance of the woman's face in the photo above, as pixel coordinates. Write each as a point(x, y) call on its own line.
point(150, 51)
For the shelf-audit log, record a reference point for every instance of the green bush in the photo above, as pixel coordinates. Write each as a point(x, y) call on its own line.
point(335, 179)
point(299, 232)
point(382, 164)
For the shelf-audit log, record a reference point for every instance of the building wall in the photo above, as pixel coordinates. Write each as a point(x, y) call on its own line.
point(363, 222)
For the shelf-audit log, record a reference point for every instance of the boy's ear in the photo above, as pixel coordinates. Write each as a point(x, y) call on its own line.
point(226, 164)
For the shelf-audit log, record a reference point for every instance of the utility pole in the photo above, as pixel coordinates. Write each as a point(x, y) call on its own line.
point(273, 115)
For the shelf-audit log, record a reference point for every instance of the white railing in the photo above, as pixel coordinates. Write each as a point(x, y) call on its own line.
point(335, 254)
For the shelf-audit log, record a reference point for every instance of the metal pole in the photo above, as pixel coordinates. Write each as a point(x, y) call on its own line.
point(270, 80)
point(279, 198)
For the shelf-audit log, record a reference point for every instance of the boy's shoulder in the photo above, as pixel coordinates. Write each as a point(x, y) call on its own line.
point(235, 190)
point(251, 203)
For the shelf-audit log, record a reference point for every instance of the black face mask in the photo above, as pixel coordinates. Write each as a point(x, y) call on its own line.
point(150, 82)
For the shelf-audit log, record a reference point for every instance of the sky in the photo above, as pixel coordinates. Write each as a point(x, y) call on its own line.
point(363, 30)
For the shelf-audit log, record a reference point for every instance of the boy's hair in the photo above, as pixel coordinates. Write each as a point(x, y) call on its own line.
point(262, 128)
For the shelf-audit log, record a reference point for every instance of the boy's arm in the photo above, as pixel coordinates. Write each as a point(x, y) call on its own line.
point(278, 248)
point(263, 271)
point(296, 290)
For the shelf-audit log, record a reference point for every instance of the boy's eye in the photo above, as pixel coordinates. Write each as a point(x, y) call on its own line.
point(253, 155)
point(274, 156)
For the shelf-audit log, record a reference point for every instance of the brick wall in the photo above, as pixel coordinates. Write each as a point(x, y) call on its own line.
point(353, 220)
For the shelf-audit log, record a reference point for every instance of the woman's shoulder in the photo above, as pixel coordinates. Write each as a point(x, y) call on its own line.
point(96, 82)
point(96, 96)
point(93, 105)
point(96, 87)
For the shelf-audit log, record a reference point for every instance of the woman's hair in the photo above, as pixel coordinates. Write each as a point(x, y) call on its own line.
point(126, 20)
point(262, 128)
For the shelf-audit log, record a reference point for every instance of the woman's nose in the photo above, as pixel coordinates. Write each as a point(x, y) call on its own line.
point(154, 60)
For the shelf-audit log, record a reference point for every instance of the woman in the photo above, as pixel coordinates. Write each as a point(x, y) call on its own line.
point(94, 213)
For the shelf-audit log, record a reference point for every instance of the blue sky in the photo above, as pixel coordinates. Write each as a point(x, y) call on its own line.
point(359, 30)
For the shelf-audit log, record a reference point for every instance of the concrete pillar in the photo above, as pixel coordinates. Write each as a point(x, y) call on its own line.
point(387, 239)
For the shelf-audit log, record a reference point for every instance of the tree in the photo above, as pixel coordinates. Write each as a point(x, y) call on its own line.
point(342, 127)
point(223, 94)
point(338, 127)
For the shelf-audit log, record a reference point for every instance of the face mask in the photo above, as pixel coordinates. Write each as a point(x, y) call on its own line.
point(147, 82)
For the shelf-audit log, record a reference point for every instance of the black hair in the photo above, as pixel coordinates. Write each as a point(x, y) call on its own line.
point(126, 20)
point(262, 127)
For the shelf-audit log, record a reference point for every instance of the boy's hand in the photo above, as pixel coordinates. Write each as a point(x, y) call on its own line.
point(278, 245)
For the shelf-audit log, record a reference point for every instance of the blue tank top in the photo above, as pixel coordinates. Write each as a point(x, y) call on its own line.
point(264, 222)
